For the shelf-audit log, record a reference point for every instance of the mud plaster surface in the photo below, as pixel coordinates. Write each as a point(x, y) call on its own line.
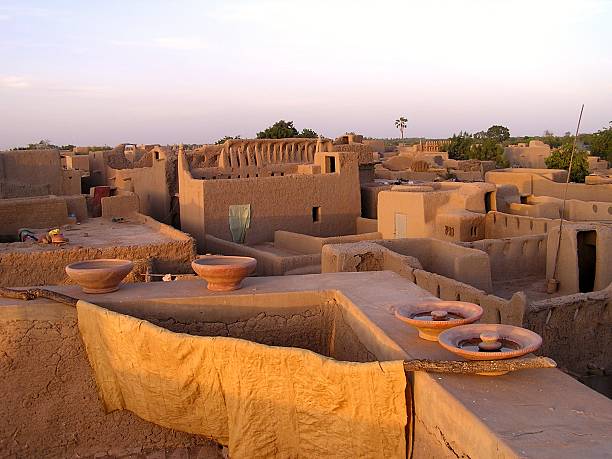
point(51, 407)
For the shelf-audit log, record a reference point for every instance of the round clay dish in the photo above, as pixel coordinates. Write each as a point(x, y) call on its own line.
point(464, 341)
point(223, 273)
point(449, 314)
point(99, 276)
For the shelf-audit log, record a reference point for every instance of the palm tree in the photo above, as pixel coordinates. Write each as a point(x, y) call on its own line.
point(401, 125)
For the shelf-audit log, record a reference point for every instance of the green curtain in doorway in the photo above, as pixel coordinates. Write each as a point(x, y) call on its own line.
point(239, 221)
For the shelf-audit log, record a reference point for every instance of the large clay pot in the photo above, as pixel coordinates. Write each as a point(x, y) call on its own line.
point(99, 276)
point(431, 318)
point(223, 273)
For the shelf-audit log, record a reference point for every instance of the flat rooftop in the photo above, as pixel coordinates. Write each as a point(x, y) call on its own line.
point(98, 232)
point(531, 413)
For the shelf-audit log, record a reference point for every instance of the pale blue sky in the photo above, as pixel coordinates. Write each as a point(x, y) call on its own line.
point(92, 72)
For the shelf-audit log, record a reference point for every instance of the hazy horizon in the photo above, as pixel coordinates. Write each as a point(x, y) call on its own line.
point(195, 71)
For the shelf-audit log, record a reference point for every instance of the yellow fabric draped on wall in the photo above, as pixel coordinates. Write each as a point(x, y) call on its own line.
point(260, 401)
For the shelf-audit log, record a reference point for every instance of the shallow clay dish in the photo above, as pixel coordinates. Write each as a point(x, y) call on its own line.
point(490, 342)
point(99, 276)
point(223, 273)
point(433, 317)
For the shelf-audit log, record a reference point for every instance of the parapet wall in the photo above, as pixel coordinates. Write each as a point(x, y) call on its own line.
point(25, 173)
point(47, 267)
point(446, 258)
point(514, 258)
point(576, 330)
point(499, 225)
point(268, 263)
point(369, 256)
point(306, 244)
point(35, 212)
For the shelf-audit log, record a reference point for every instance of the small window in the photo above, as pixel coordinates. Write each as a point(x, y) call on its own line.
point(157, 155)
point(316, 214)
point(330, 163)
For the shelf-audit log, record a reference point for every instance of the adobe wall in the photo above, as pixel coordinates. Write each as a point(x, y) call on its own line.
point(306, 244)
point(499, 225)
point(78, 162)
point(369, 198)
point(35, 212)
point(514, 258)
point(540, 183)
point(367, 225)
point(370, 256)
point(120, 205)
point(464, 264)
point(529, 156)
point(576, 330)
point(444, 210)
point(268, 263)
point(53, 409)
point(47, 266)
point(568, 269)
point(336, 194)
point(26, 173)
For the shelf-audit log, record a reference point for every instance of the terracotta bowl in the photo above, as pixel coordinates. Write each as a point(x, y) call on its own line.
point(223, 273)
point(99, 276)
point(433, 317)
point(490, 342)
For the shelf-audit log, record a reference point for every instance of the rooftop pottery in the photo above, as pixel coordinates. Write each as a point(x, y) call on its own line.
point(490, 342)
point(433, 317)
point(223, 273)
point(99, 276)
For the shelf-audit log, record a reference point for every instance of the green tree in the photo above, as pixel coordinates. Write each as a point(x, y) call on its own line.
point(227, 137)
point(498, 133)
point(600, 143)
point(551, 139)
point(308, 134)
point(560, 159)
point(488, 150)
point(280, 130)
point(401, 124)
point(459, 146)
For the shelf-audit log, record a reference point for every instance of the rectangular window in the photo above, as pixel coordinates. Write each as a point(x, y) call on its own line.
point(330, 164)
point(316, 214)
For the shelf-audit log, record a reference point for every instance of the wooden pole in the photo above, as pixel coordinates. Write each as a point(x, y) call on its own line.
point(478, 366)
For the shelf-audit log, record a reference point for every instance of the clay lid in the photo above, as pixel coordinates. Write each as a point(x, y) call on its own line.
point(480, 341)
point(439, 314)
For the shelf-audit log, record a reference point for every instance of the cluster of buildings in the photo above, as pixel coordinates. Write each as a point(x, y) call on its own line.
point(345, 225)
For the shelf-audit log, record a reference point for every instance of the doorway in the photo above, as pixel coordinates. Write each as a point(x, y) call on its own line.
point(587, 260)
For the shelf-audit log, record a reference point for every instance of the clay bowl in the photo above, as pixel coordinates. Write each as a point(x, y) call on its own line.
point(223, 273)
point(433, 317)
point(99, 276)
point(490, 342)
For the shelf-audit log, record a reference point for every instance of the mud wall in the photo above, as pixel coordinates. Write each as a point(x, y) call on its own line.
point(306, 244)
point(51, 408)
point(268, 264)
point(33, 212)
point(24, 268)
point(514, 258)
point(149, 184)
point(464, 264)
point(576, 330)
point(50, 405)
point(30, 173)
point(335, 194)
point(368, 256)
point(499, 225)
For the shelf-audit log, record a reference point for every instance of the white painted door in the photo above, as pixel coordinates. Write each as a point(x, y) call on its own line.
point(401, 225)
